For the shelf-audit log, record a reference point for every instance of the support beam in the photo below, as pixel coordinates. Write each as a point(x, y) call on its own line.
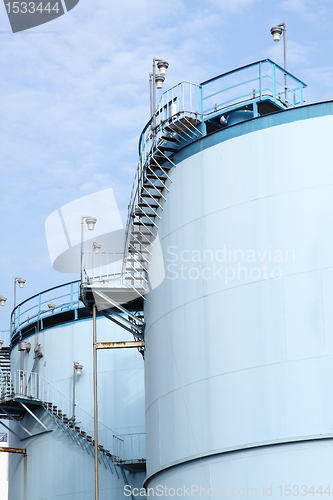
point(33, 415)
point(16, 421)
point(22, 451)
point(10, 430)
point(122, 323)
point(138, 325)
point(119, 345)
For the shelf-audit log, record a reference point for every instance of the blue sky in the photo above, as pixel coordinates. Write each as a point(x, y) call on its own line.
point(75, 97)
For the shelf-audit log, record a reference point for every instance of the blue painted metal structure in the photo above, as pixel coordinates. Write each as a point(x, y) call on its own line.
point(37, 399)
point(35, 309)
point(185, 114)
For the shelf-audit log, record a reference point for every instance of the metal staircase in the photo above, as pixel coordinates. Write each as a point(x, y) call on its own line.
point(5, 360)
point(25, 392)
point(81, 437)
point(7, 390)
point(184, 114)
point(149, 193)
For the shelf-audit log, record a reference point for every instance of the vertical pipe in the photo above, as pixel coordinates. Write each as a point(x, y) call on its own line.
point(73, 413)
point(21, 376)
point(71, 295)
point(151, 94)
point(190, 98)
point(285, 61)
point(95, 403)
point(18, 318)
point(81, 253)
point(14, 320)
point(39, 309)
point(274, 82)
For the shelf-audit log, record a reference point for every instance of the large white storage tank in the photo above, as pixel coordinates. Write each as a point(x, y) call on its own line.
point(59, 461)
point(239, 335)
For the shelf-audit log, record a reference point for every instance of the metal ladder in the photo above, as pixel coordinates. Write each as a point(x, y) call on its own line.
point(145, 212)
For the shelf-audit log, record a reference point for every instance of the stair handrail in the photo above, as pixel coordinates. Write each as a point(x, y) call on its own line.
point(34, 387)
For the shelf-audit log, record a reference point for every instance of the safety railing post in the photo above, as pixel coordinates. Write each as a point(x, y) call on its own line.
point(18, 318)
point(274, 82)
point(71, 295)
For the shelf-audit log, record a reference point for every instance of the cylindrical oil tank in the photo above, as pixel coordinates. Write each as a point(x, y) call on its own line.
point(60, 455)
point(239, 335)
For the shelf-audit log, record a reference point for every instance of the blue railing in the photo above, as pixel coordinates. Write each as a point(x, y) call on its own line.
point(55, 300)
point(262, 80)
point(259, 81)
point(191, 105)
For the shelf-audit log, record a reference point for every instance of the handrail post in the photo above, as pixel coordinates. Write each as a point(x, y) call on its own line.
point(201, 103)
point(18, 318)
point(274, 82)
point(71, 295)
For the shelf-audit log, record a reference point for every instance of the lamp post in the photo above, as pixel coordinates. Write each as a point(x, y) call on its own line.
point(21, 282)
point(90, 221)
point(2, 303)
point(78, 370)
point(277, 31)
point(156, 82)
point(51, 307)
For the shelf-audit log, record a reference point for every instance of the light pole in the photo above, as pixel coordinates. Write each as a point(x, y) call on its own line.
point(276, 31)
point(90, 221)
point(78, 370)
point(21, 282)
point(156, 82)
point(2, 303)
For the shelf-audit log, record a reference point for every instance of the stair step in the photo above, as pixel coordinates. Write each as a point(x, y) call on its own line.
point(173, 128)
point(150, 186)
point(143, 224)
point(166, 148)
point(159, 158)
point(146, 205)
point(154, 166)
point(139, 211)
point(169, 138)
point(141, 232)
point(146, 195)
point(161, 177)
point(138, 250)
